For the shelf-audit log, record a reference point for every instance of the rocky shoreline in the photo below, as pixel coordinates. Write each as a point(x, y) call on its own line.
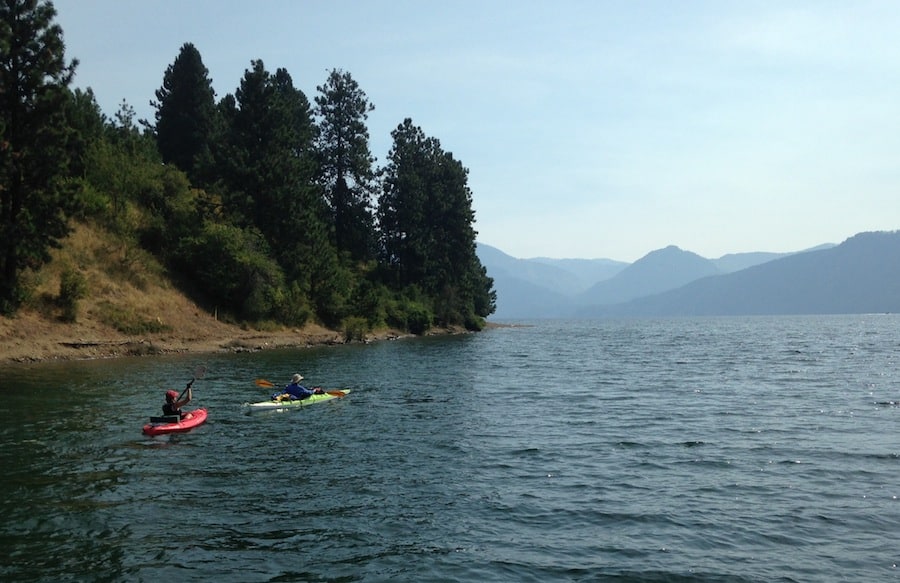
point(26, 339)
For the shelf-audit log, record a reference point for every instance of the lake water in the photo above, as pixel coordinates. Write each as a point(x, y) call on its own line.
point(719, 449)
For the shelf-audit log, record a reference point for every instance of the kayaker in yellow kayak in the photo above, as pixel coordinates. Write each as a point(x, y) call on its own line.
point(295, 391)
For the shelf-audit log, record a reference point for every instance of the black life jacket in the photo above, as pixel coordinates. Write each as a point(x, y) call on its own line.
point(170, 409)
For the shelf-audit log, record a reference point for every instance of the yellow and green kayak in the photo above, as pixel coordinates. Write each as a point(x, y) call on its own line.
point(273, 405)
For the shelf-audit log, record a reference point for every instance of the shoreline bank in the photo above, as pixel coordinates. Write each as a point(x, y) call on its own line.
point(28, 339)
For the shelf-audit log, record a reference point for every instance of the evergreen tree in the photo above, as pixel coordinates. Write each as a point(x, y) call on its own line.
point(88, 124)
point(455, 274)
point(269, 178)
point(185, 114)
point(268, 163)
point(34, 197)
point(428, 239)
point(402, 206)
point(346, 164)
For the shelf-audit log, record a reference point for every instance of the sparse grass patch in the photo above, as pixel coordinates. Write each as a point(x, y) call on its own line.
point(141, 349)
point(267, 326)
point(128, 321)
point(131, 264)
point(45, 305)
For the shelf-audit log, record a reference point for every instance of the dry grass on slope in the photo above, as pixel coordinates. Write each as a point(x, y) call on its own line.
point(130, 308)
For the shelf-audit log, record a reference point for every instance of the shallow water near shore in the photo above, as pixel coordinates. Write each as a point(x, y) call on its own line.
point(715, 449)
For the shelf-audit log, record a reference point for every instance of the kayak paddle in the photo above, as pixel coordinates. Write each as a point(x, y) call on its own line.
point(269, 385)
point(199, 373)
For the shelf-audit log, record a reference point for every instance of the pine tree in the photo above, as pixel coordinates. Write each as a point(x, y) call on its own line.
point(269, 169)
point(35, 201)
point(455, 274)
point(346, 163)
point(428, 238)
point(402, 206)
point(269, 164)
point(185, 115)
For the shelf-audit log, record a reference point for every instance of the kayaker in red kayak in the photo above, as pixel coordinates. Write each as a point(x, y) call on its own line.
point(295, 390)
point(173, 404)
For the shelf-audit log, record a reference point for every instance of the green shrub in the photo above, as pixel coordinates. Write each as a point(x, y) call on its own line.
point(92, 202)
point(355, 328)
point(409, 315)
point(72, 288)
point(371, 300)
point(419, 319)
point(474, 323)
point(293, 306)
point(234, 269)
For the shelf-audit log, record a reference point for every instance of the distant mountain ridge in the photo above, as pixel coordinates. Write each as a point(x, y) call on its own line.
point(656, 272)
point(528, 288)
point(859, 275)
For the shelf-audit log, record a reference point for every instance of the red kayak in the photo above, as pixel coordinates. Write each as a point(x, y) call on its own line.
point(170, 423)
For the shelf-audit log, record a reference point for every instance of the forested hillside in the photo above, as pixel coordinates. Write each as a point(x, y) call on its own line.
point(263, 206)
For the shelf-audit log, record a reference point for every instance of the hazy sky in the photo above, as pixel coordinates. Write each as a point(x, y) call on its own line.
point(590, 129)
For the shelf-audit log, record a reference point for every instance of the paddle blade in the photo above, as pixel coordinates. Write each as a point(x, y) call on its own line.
point(336, 393)
point(264, 383)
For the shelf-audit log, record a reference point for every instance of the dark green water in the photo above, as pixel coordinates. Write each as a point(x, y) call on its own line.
point(675, 450)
